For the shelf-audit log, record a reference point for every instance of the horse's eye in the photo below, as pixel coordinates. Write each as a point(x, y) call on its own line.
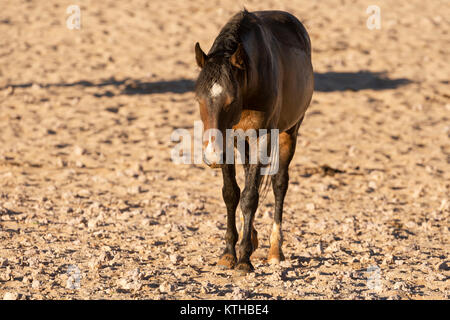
point(229, 101)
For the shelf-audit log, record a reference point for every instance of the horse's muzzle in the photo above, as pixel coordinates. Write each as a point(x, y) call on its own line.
point(213, 160)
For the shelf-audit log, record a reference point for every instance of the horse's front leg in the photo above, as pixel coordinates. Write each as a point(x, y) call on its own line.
point(249, 204)
point(231, 194)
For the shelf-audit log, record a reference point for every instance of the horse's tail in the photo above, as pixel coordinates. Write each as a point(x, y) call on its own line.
point(264, 186)
point(264, 183)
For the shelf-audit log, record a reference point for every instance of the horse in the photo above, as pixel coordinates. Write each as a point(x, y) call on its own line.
point(258, 74)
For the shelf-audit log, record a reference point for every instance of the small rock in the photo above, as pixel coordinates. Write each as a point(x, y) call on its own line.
point(92, 224)
point(136, 275)
point(10, 296)
point(166, 287)
point(7, 275)
point(239, 294)
point(79, 164)
point(84, 193)
point(79, 151)
point(174, 258)
point(135, 190)
point(3, 262)
point(400, 286)
point(444, 205)
point(372, 185)
point(61, 163)
point(105, 256)
point(35, 284)
point(445, 266)
point(286, 264)
point(399, 262)
point(123, 284)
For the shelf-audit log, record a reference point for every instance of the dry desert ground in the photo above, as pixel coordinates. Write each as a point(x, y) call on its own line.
point(92, 207)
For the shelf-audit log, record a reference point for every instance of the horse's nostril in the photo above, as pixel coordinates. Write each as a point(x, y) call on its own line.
point(213, 158)
point(206, 160)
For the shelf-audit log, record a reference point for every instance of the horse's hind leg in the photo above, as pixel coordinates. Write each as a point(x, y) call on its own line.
point(231, 194)
point(280, 182)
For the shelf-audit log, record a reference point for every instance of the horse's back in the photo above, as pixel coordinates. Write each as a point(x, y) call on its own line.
point(286, 28)
point(294, 56)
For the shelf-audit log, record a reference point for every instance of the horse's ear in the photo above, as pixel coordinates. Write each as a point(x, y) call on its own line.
point(237, 59)
point(200, 56)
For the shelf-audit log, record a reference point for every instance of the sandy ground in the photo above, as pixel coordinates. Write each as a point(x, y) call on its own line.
point(91, 205)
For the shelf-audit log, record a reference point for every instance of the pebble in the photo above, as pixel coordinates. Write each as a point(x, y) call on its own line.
point(445, 266)
point(93, 223)
point(3, 262)
point(135, 190)
point(79, 151)
point(84, 193)
point(372, 185)
point(6, 275)
point(123, 283)
point(239, 294)
point(79, 164)
point(10, 296)
point(35, 284)
point(399, 262)
point(400, 286)
point(166, 287)
point(175, 258)
point(310, 206)
point(136, 275)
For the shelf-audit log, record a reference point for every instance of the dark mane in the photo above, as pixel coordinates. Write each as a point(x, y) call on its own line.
point(231, 34)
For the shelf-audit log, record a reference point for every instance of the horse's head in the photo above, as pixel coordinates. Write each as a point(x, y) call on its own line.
point(219, 93)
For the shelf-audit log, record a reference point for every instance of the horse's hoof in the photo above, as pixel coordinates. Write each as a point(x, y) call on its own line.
point(275, 257)
point(244, 268)
point(227, 261)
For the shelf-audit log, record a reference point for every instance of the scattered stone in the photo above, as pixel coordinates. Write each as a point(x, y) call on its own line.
point(11, 296)
point(61, 163)
point(175, 258)
point(445, 266)
point(123, 284)
point(166, 287)
point(93, 223)
point(79, 164)
point(400, 286)
point(135, 190)
point(35, 284)
point(239, 294)
point(3, 262)
point(6, 275)
point(84, 193)
point(78, 151)
point(136, 275)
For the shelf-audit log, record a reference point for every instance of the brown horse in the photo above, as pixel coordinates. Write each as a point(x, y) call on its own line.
point(257, 75)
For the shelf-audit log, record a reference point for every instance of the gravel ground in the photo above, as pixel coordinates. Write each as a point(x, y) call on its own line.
point(91, 205)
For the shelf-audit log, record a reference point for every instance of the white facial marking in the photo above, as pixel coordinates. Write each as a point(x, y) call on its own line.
point(211, 153)
point(216, 90)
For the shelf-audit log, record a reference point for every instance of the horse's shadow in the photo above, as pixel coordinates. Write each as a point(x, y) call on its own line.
point(324, 82)
point(356, 81)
